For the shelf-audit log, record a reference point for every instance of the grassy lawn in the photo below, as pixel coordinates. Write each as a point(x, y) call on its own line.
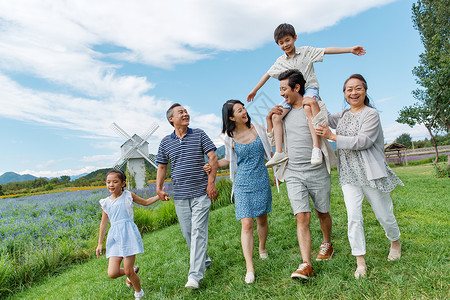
point(422, 211)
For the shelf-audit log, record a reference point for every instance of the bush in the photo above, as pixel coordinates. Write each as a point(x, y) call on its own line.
point(441, 170)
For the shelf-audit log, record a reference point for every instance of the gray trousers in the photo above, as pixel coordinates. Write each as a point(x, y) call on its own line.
point(193, 216)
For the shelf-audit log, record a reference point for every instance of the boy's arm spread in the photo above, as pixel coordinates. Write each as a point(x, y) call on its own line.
point(357, 50)
point(261, 82)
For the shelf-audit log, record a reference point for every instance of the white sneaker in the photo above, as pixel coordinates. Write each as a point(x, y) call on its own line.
point(277, 159)
point(249, 277)
point(316, 156)
point(360, 272)
point(139, 295)
point(191, 284)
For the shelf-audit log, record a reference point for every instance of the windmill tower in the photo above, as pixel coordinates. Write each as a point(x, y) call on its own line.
point(135, 153)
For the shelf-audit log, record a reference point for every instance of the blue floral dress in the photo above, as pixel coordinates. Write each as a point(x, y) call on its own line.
point(253, 196)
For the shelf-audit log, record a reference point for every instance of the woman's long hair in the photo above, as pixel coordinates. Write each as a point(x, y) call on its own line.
point(228, 126)
point(364, 82)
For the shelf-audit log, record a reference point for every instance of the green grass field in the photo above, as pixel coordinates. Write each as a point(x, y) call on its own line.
point(422, 211)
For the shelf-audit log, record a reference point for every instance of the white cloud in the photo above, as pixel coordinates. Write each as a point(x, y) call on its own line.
point(56, 40)
point(100, 158)
point(62, 44)
point(68, 172)
point(393, 131)
point(378, 101)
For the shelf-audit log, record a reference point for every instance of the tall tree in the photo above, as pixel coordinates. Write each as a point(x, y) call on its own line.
point(431, 19)
point(404, 139)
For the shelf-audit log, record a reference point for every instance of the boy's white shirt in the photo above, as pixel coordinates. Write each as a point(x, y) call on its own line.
point(303, 60)
point(327, 150)
point(230, 154)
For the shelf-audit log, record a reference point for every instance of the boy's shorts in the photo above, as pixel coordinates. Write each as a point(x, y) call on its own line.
point(310, 92)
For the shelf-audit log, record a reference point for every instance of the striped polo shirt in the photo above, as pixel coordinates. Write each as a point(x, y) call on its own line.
point(187, 157)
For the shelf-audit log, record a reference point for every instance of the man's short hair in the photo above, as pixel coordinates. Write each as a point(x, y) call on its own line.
point(283, 30)
point(169, 112)
point(295, 77)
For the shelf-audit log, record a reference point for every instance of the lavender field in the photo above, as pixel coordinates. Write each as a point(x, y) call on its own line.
point(43, 233)
point(417, 157)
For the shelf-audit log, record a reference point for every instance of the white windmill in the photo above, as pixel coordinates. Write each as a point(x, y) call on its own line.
point(134, 153)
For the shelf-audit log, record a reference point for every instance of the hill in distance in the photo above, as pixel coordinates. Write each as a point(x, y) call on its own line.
point(14, 177)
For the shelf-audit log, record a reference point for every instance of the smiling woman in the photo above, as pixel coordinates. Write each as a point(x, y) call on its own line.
point(363, 170)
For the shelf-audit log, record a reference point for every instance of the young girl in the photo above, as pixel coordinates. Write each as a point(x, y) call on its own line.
point(124, 240)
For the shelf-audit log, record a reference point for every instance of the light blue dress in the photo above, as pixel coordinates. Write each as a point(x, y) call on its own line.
point(253, 196)
point(123, 238)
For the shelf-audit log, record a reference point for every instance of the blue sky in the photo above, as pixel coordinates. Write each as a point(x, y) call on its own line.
point(69, 69)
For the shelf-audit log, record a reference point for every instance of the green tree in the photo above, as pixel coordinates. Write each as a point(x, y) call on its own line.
point(431, 19)
point(65, 179)
point(1, 192)
point(404, 139)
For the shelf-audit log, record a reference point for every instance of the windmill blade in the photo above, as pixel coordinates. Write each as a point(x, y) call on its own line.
point(150, 131)
point(120, 132)
point(147, 158)
point(119, 164)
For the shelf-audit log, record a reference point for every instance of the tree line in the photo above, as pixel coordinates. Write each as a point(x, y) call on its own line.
point(406, 140)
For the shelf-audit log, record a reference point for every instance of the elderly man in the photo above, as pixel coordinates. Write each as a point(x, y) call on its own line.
point(302, 178)
point(193, 188)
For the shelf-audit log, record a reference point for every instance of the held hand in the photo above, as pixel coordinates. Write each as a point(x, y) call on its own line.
point(163, 196)
point(276, 110)
point(207, 168)
point(98, 251)
point(358, 50)
point(324, 131)
point(251, 96)
point(308, 101)
point(212, 191)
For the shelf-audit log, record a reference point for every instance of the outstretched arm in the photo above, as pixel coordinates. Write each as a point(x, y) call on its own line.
point(148, 201)
point(101, 234)
point(357, 50)
point(220, 163)
point(261, 82)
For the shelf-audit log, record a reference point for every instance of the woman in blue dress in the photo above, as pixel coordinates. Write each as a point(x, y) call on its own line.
point(246, 147)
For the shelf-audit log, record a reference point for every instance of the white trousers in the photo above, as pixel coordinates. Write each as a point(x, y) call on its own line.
point(381, 204)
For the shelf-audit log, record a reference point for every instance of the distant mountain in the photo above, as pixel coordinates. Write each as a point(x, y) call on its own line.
point(220, 152)
point(101, 172)
point(14, 177)
point(75, 177)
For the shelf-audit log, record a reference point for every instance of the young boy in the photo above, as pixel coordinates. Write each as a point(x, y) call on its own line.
point(302, 59)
